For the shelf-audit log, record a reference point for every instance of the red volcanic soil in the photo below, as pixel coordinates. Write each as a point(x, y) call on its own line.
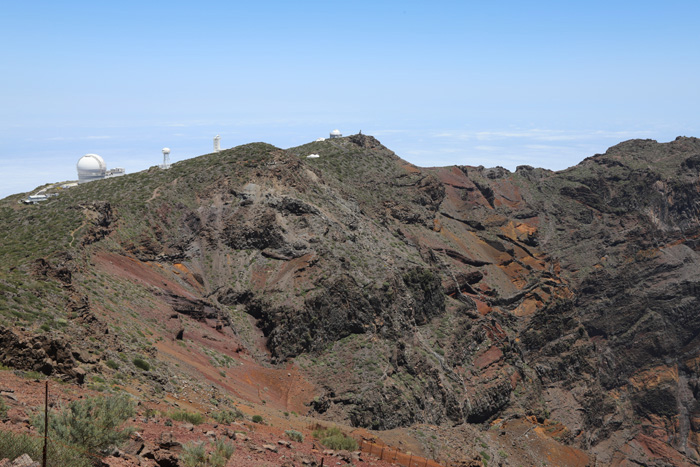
point(282, 388)
point(279, 394)
point(26, 396)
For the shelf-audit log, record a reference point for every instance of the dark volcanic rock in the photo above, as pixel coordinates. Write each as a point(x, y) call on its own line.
point(40, 353)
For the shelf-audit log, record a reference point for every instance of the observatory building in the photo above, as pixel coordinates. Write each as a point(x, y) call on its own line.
point(217, 143)
point(92, 167)
point(115, 172)
point(336, 134)
point(166, 158)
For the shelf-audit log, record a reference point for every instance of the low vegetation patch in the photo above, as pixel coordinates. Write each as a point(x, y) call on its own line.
point(294, 435)
point(226, 417)
point(141, 363)
point(333, 438)
point(184, 416)
point(257, 419)
point(92, 425)
point(32, 375)
point(196, 455)
point(13, 445)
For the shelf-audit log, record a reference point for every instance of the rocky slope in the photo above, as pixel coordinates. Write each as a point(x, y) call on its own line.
point(557, 308)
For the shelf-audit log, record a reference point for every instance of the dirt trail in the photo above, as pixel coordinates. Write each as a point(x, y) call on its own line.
point(72, 234)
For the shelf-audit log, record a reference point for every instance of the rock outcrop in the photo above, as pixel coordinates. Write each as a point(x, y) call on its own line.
point(41, 353)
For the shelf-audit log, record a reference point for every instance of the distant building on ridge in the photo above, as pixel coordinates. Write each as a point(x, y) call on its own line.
point(92, 167)
point(166, 158)
point(115, 172)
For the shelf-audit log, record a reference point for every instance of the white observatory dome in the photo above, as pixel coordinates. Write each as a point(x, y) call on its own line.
point(166, 150)
point(91, 167)
point(336, 134)
point(91, 162)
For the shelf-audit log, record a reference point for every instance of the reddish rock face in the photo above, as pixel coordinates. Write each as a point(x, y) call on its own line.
point(492, 355)
point(450, 297)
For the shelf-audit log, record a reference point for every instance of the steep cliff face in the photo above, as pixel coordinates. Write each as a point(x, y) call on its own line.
point(621, 230)
point(633, 267)
point(448, 296)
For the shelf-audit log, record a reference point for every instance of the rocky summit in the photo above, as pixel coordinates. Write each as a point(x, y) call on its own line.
point(466, 314)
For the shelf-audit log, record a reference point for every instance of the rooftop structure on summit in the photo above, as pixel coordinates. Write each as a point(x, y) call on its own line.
point(336, 134)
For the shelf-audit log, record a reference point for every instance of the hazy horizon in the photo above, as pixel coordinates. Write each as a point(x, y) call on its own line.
point(543, 84)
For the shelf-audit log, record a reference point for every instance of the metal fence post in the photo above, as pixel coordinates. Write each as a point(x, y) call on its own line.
point(46, 423)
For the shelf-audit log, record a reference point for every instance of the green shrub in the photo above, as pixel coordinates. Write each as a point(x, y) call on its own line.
point(33, 375)
point(92, 424)
point(13, 445)
point(223, 449)
point(3, 409)
point(195, 454)
point(333, 438)
point(226, 417)
point(112, 364)
point(294, 435)
point(257, 419)
point(141, 363)
point(190, 417)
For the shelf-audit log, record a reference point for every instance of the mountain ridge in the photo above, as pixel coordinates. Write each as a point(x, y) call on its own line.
point(451, 296)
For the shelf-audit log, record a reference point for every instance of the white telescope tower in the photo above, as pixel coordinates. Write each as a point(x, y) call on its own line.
point(166, 158)
point(217, 143)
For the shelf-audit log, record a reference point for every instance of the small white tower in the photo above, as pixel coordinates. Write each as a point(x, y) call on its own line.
point(217, 143)
point(166, 158)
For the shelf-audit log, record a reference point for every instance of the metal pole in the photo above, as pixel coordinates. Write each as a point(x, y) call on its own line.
point(46, 423)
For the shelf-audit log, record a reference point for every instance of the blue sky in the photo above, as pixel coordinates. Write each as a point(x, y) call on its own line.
point(443, 82)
